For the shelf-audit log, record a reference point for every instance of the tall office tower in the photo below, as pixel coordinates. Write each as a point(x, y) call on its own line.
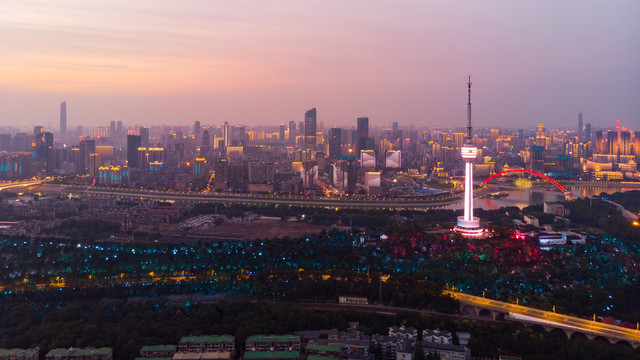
point(133, 143)
point(206, 143)
point(363, 133)
point(63, 119)
point(38, 129)
point(468, 225)
point(395, 132)
point(281, 133)
point(540, 135)
point(136, 126)
point(459, 140)
point(625, 143)
point(612, 142)
point(335, 142)
point(225, 135)
point(85, 148)
point(196, 128)
point(44, 152)
point(22, 142)
point(95, 161)
point(5, 142)
point(112, 130)
point(206, 140)
point(292, 131)
point(599, 143)
point(119, 130)
point(310, 129)
point(587, 132)
point(618, 132)
point(580, 134)
point(144, 136)
point(636, 146)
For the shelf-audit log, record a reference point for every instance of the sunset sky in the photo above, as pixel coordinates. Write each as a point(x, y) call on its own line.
point(266, 62)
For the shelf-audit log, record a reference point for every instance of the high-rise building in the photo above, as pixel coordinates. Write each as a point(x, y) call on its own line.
point(133, 143)
point(206, 143)
point(599, 143)
point(196, 128)
point(292, 131)
point(363, 133)
point(335, 143)
point(392, 159)
point(310, 129)
point(119, 131)
point(395, 131)
point(468, 225)
point(63, 119)
point(281, 133)
point(636, 146)
point(144, 136)
point(368, 159)
point(5, 142)
point(580, 134)
point(95, 162)
point(85, 149)
point(44, 152)
point(541, 137)
point(587, 132)
point(225, 135)
point(37, 130)
point(612, 141)
point(112, 130)
point(625, 143)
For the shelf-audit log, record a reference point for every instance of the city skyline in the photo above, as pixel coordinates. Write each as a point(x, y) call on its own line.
point(162, 63)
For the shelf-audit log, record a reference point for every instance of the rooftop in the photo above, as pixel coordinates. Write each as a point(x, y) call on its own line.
point(259, 338)
point(271, 354)
point(18, 352)
point(207, 338)
point(159, 348)
point(79, 352)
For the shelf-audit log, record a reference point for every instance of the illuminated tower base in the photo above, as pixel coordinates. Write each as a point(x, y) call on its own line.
point(468, 225)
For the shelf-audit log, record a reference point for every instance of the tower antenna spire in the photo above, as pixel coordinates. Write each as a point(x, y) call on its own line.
point(469, 137)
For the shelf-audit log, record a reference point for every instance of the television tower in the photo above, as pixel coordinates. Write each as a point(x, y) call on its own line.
point(468, 225)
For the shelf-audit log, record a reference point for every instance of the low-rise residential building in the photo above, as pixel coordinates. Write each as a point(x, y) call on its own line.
point(272, 343)
point(403, 332)
point(208, 343)
point(272, 355)
point(446, 351)
point(209, 355)
point(437, 336)
point(80, 354)
point(158, 351)
point(330, 351)
point(19, 354)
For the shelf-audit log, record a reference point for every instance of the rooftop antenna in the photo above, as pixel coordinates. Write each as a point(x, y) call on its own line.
point(469, 137)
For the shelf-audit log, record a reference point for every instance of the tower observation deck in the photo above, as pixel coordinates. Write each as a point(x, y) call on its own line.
point(468, 225)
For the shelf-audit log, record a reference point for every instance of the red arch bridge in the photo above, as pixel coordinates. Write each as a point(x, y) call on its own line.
point(557, 184)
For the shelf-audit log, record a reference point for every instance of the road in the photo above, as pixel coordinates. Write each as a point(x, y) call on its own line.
point(5, 186)
point(417, 203)
point(546, 318)
point(626, 213)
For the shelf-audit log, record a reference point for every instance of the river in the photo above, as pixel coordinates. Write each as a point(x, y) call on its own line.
point(525, 197)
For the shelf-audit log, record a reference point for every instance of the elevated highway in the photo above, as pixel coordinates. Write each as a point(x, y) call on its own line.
point(415, 203)
point(18, 184)
point(571, 326)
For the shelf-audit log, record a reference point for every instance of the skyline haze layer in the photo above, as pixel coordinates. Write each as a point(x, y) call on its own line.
point(160, 62)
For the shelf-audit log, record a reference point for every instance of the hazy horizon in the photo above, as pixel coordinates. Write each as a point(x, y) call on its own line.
point(161, 62)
